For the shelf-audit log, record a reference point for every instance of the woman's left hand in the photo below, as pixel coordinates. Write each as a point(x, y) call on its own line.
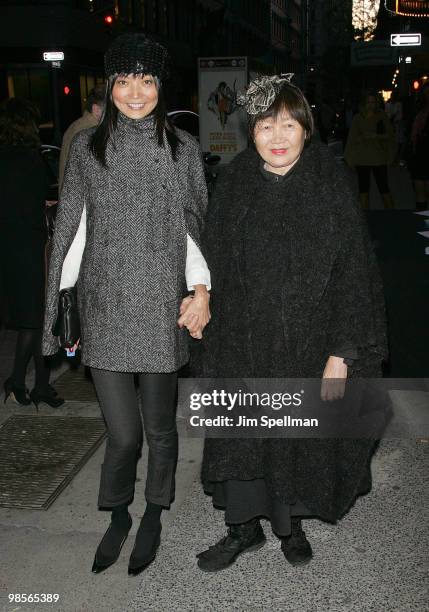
point(195, 312)
point(334, 379)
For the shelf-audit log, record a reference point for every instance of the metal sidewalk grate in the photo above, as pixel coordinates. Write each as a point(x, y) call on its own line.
point(40, 455)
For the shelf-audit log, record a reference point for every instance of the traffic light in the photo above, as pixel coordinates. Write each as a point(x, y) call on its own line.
point(416, 85)
point(66, 90)
point(109, 23)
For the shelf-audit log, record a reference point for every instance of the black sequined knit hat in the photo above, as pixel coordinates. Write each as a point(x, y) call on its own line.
point(136, 54)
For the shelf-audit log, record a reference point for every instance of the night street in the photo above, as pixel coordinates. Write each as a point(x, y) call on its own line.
point(214, 290)
point(375, 559)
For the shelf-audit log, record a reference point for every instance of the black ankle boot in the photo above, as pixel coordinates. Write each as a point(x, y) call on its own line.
point(241, 538)
point(110, 546)
point(147, 540)
point(48, 396)
point(296, 548)
point(18, 394)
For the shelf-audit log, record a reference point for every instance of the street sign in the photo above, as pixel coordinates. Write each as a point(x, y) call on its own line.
point(53, 56)
point(405, 40)
point(373, 53)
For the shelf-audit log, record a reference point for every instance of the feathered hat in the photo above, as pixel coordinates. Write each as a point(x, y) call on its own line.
point(262, 92)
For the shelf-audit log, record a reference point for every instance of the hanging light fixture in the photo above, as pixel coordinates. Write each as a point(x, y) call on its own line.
point(365, 13)
point(408, 8)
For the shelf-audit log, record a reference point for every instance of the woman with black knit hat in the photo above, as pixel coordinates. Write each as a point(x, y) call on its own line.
point(128, 230)
point(296, 295)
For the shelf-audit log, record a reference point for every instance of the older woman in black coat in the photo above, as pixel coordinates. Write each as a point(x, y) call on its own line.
point(296, 294)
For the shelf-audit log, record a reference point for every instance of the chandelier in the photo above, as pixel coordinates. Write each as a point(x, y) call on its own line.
point(365, 13)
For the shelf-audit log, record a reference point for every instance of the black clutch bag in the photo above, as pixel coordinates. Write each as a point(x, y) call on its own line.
point(67, 325)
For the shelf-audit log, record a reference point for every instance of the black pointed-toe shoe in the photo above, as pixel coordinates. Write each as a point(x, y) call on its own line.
point(242, 538)
point(116, 535)
point(296, 548)
point(48, 396)
point(143, 555)
point(16, 393)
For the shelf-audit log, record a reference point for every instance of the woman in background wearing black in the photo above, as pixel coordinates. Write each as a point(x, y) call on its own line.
point(23, 237)
point(419, 166)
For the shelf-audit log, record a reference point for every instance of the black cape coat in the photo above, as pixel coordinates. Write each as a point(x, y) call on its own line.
point(332, 296)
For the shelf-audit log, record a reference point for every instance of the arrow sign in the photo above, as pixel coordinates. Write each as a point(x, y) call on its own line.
point(53, 56)
point(405, 40)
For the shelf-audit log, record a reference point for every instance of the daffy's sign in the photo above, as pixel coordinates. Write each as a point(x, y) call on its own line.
point(222, 122)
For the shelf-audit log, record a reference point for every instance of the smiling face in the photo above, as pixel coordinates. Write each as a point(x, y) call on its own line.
point(135, 95)
point(279, 141)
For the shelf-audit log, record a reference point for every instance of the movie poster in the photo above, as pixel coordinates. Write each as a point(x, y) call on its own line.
point(223, 129)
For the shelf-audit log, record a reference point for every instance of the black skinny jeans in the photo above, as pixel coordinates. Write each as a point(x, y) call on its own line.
point(120, 407)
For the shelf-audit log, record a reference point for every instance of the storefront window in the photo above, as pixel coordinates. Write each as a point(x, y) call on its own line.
point(32, 84)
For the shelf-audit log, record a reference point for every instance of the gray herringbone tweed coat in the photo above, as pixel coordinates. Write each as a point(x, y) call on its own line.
point(132, 275)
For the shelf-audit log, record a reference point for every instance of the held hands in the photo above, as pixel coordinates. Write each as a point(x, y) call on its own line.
point(75, 345)
point(195, 312)
point(334, 379)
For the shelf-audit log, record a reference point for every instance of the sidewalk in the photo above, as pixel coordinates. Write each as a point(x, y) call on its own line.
point(52, 551)
point(374, 559)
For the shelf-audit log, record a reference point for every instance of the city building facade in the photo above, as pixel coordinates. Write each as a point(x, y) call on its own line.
point(271, 33)
point(330, 36)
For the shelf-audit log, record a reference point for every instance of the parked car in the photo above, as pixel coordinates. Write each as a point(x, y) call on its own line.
point(189, 121)
point(186, 120)
point(51, 157)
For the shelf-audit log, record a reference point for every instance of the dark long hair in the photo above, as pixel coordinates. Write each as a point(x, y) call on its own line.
point(107, 126)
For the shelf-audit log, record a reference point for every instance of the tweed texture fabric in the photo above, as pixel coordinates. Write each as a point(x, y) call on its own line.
point(136, 54)
point(132, 275)
point(326, 293)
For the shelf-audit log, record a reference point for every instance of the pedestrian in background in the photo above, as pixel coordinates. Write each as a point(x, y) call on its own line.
point(393, 108)
point(23, 237)
point(419, 165)
point(91, 116)
point(326, 120)
point(127, 231)
point(371, 148)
